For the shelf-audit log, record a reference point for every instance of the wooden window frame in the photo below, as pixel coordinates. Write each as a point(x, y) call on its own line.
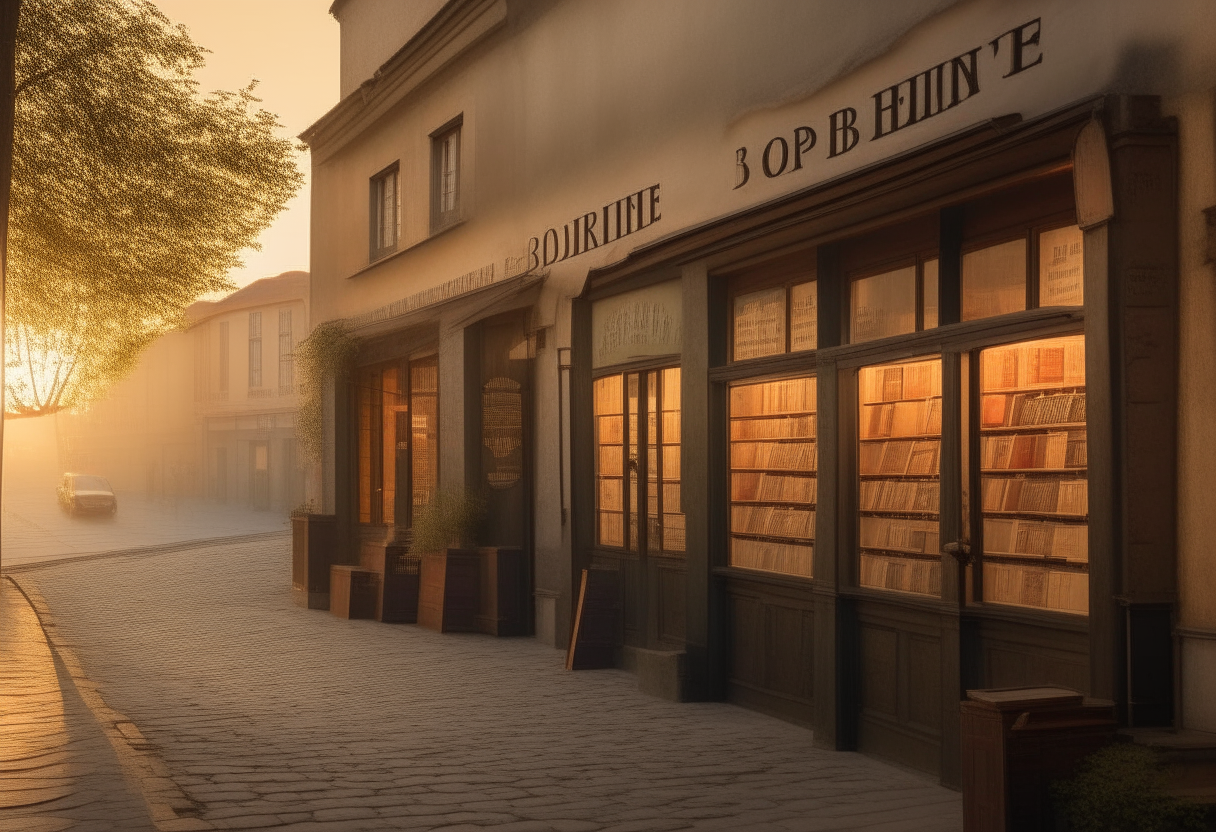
point(378, 249)
point(780, 276)
point(441, 219)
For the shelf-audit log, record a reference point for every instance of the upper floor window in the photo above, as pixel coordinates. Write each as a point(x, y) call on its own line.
point(287, 370)
point(385, 212)
point(445, 176)
point(255, 349)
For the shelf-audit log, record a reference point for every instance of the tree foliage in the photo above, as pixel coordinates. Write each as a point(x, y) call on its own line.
point(323, 356)
point(132, 193)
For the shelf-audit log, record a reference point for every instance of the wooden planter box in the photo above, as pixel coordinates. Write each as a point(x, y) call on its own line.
point(449, 592)
point(314, 539)
point(353, 591)
point(503, 595)
point(398, 570)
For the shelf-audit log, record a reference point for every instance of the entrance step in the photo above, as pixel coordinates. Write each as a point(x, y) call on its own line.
point(660, 673)
point(1190, 755)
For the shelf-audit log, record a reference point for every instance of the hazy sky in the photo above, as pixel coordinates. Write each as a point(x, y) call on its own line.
point(291, 48)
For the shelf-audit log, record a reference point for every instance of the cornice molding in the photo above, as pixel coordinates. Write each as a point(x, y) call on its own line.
point(457, 27)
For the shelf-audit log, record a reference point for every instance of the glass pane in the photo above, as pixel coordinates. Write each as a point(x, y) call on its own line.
point(390, 401)
point(883, 305)
point(929, 292)
point(773, 460)
point(759, 324)
point(424, 427)
point(1033, 477)
point(994, 280)
point(1061, 267)
point(899, 456)
point(654, 521)
point(632, 385)
point(673, 518)
point(804, 316)
point(609, 460)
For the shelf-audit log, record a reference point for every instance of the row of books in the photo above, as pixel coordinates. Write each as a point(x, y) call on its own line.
point(921, 576)
point(1053, 362)
point(773, 521)
point(786, 558)
point(906, 418)
point(781, 427)
point(893, 383)
point(1052, 495)
point(1052, 451)
point(784, 456)
point(774, 488)
point(899, 495)
point(795, 395)
point(900, 535)
point(1037, 538)
point(1036, 586)
point(1032, 409)
point(919, 458)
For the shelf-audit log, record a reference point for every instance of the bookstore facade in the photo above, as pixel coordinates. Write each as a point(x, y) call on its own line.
point(923, 463)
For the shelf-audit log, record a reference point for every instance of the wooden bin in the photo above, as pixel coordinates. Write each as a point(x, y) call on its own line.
point(1016, 743)
point(449, 591)
point(398, 570)
point(503, 599)
point(353, 591)
point(313, 542)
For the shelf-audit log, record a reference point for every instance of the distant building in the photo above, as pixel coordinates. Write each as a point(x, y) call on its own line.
point(210, 411)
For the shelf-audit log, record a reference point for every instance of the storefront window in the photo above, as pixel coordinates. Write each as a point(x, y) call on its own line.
point(889, 303)
point(775, 321)
point(385, 409)
point(1034, 485)
point(637, 465)
point(994, 280)
point(773, 461)
point(899, 457)
point(1061, 267)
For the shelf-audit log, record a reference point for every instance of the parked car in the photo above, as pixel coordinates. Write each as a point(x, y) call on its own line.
point(84, 494)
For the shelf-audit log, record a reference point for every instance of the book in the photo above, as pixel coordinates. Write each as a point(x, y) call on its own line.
point(786, 558)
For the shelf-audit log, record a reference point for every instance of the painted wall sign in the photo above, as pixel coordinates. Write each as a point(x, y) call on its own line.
point(903, 104)
point(596, 228)
point(637, 324)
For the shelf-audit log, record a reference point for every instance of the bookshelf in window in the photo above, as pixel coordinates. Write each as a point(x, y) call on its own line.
point(773, 486)
point(899, 460)
point(1033, 483)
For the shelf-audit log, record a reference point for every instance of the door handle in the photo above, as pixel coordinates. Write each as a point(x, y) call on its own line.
point(960, 550)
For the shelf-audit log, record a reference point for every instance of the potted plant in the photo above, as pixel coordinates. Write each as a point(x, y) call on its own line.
point(444, 537)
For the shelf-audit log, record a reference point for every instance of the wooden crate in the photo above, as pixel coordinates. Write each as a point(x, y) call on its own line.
point(504, 600)
point(1016, 742)
point(313, 543)
point(353, 591)
point(399, 572)
point(449, 591)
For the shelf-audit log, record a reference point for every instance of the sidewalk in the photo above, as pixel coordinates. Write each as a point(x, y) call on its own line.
point(57, 769)
point(250, 713)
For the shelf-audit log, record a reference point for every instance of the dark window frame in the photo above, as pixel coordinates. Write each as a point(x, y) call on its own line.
point(378, 246)
point(443, 218)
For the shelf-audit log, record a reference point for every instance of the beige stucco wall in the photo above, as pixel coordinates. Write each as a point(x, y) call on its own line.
point(372, 30)
point(1196, 115)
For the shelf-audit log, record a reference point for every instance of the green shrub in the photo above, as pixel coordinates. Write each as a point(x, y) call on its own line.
point(451, 520)
point(1121, 788)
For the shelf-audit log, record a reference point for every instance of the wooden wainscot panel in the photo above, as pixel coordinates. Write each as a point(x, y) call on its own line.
point(1019, 654)
point(901, 693)
point(772, 656)
point(672, 603)
point(593, 638)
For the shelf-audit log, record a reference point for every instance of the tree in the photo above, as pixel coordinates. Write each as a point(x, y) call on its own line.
point(132, 194)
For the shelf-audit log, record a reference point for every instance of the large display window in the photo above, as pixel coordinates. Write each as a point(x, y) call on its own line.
point(1034, 487)
point(398, 414)
point(899, 417)
point(773, 485)
point(637, 461)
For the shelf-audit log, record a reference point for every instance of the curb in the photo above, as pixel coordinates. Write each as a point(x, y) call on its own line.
point(170, 809)
point(146, 551)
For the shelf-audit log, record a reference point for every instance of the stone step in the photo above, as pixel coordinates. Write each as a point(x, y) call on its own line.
point(1190, 756)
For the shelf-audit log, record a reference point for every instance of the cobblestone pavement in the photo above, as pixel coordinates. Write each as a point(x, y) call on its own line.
point(35, 528)
point(57, 771)
point(248, 712)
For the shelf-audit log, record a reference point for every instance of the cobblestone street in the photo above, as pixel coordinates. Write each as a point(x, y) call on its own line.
point(234, 709)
